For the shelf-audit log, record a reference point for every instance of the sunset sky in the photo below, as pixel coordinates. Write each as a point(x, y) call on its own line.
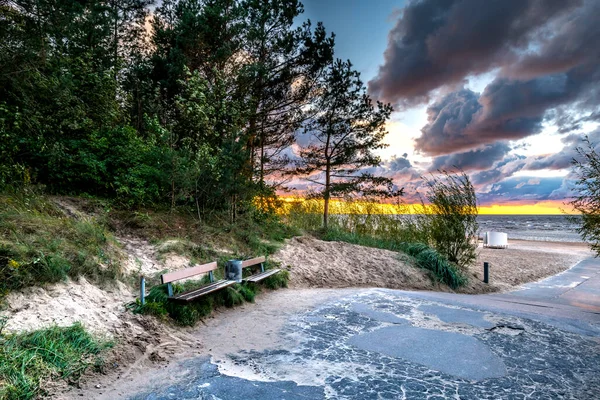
point(503, 89)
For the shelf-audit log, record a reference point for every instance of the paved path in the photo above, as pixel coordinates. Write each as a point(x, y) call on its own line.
point(541, 342)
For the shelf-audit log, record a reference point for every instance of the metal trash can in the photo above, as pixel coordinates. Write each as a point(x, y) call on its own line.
point(233, 270)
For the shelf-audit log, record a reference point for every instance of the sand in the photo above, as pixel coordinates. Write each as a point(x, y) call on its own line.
point(320, 264)
point(315, 263)
point(527, 261)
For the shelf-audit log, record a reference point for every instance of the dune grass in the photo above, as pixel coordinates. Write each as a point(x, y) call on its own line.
point(28, 361)
point(429, 259)
point(39, 244)
point(180, 231)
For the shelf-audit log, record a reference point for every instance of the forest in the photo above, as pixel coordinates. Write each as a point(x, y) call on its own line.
point(191, 103)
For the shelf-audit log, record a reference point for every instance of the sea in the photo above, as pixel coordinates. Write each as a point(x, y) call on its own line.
point(552, 228)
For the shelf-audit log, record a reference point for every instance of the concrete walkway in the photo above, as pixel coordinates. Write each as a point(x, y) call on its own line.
point(540, 342)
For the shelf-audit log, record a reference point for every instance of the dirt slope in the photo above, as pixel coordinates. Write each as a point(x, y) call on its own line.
point(316, 263)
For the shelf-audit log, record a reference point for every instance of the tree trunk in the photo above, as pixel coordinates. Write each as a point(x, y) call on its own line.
point(326, 197)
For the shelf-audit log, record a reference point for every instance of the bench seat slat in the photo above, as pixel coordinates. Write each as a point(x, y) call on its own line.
point(193, 294)
point(253, 261)
point(262, 275)
point(188, 272)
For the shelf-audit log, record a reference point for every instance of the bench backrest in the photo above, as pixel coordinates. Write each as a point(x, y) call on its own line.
point(253, 261)
point(188, 272)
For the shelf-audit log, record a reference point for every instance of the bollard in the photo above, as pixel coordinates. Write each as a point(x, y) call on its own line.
point(486, 272)
point(142, 289)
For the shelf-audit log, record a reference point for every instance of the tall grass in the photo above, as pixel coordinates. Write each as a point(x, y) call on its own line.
point(429, 259)
point(250, 235)
point(29, 360)
point(39, 244)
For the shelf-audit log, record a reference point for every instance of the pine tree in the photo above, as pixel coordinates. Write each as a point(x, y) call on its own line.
point(345, 131)
point(284, 64)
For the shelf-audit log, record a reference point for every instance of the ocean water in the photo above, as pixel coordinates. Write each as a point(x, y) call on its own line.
point(554, 228)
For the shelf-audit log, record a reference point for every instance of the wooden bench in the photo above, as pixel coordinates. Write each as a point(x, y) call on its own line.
point(190, 295)
point(262, 274)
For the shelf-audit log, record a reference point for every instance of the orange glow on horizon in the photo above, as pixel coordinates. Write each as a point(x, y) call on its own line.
point(541, 208)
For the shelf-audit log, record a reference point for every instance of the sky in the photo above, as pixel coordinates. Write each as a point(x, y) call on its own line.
point(503, 89)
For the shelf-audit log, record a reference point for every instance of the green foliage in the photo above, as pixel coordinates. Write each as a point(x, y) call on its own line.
point(38, 244)
point(29, 359)
point(451, 217)
point(278, 280)
point(586, 199)
point(336, 234)
point(429, 259)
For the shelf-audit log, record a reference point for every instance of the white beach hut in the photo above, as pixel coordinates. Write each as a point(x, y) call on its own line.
point(495, 240)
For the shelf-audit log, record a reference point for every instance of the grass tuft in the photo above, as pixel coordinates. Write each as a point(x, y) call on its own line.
point(279, 280)
point(429, 259)
point(29, 359)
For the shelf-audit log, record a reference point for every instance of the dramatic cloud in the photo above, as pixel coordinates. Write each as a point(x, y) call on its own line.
point(440, 42)
point(478, 159)
point(544, 53)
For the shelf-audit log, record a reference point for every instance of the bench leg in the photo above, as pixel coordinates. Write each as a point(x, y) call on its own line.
point(170, 289)
point(262, 267)
point(142, 289)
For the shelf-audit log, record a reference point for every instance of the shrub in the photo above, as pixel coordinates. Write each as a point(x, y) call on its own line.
point(279, 280)
point(586, 193)
point(451, 217)
point(29, 359)
point(429, 259)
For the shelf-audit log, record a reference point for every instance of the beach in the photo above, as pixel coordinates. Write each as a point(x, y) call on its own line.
point(316, 263)
point(528, 261)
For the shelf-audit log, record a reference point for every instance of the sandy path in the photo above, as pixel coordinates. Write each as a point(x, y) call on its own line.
point(228, 331)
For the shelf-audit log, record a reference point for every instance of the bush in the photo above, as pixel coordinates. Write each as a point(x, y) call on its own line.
point(586, 193)
point(429, 259)
point(451, 217)
point(29, 359)
point(279, 280)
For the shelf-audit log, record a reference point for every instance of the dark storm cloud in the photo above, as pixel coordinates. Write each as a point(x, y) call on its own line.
point(463, 120)
point(501, 170)
point(440, 42)
point(506, 110)
point(478, 159)
point(399, 163)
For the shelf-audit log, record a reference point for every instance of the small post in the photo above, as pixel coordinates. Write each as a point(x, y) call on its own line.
point(170, 289)
point(142, 289)
point(486, 272)
point(211, 277)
